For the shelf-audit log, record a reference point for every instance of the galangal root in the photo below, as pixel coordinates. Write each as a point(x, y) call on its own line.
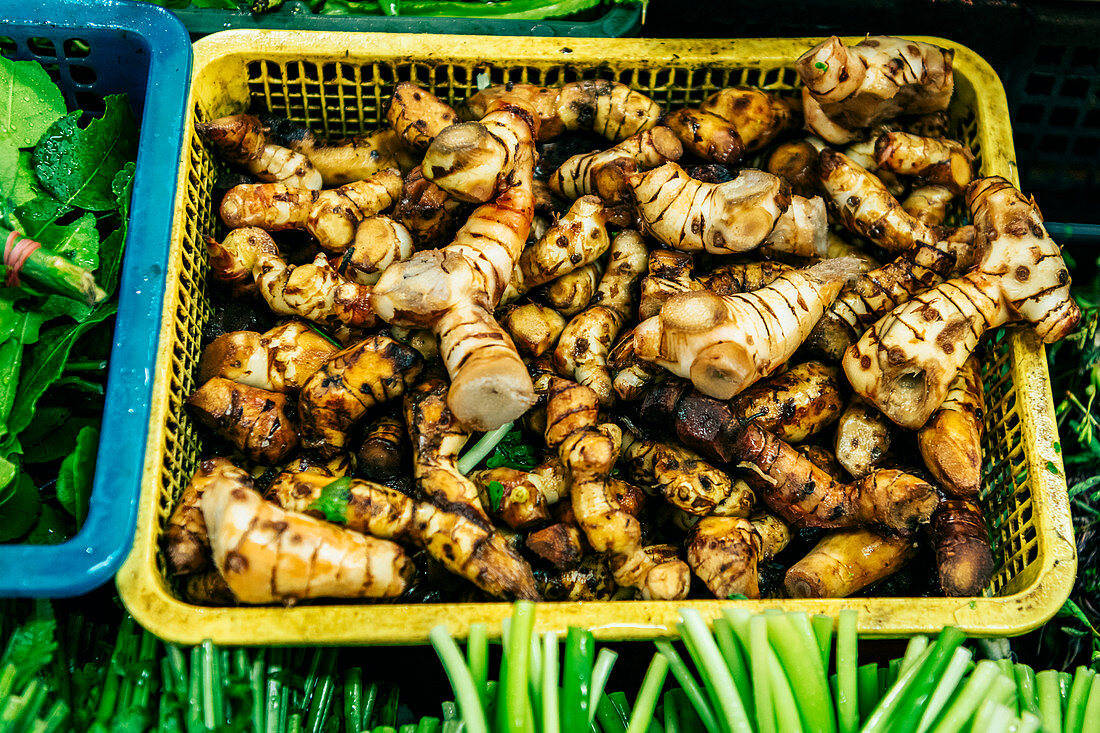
point(906, 362)
point(240, 139)
point(725, 552)
point(559, 344)
point(732, 122)
point(950, 442)
point(609, 109)
point(267, 554)
point(791, 486)
point(851, 88)
point(961, 540)
point(454, 290)
point(847, 561)
point(726, 343)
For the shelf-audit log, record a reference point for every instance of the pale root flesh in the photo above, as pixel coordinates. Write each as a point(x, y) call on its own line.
point(571, 293)
point(801, 230)
point(603, 173)
point(379, 242)
point(863, 435)
point(417, 115)
point(865, 206)
point(453, 290)
point(534, 328)
point(906, 362)
point(577, 239)
point(936, 161)
point(876, 293)
point(877, 79)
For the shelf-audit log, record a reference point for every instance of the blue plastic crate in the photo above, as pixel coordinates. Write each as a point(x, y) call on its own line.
point(144, 51)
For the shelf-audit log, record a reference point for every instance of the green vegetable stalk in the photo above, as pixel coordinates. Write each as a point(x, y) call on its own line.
point(64, 672)
point(48, 269)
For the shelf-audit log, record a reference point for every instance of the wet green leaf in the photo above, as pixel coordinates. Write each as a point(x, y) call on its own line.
point(78, 165)
point(19, 505)
point(29, 102)
point(74, 481)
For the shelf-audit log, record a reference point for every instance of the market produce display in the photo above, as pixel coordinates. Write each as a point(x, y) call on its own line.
point(64, 207)
point(653, 376)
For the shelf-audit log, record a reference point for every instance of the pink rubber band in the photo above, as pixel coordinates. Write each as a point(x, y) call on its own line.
point(16, 253)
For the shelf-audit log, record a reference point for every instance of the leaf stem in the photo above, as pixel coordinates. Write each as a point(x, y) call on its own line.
point(469, 701)
point(647, 698)
point(483, 447)
point(690, 686)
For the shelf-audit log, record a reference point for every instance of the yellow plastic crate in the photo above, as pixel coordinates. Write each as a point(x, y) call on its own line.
point(339, 83)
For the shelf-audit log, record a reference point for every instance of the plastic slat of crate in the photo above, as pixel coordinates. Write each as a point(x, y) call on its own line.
point(338, 84)
point(617, 21)
point(144, 51)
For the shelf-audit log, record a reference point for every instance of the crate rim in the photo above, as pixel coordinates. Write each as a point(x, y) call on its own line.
point(90, 558)
point(146, 596)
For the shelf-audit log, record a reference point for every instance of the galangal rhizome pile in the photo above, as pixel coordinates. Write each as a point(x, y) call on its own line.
point(723, 350)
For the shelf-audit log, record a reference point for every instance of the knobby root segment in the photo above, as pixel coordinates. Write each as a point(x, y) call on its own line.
point(351, 383)
point(269, 555)
point(791, 486)
point(846, 561)
point(454, 290)
point(726, 343)
point(725, 552)
point(850, 88)
point(905, 363)
point(721, 218)
point(464, 545)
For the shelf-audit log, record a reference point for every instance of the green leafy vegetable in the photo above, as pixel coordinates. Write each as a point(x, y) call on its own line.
point(74, 482)
point(52, 434)
point(78, 241)
point(29, 102)
point(333, 501)
point(47, 362)
point(19, 507)
point(78, 165)
point(38, 213)
point(496, 494)
point(50, 529)
point(11, 358)
point(513, 451)
point(32, 646)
